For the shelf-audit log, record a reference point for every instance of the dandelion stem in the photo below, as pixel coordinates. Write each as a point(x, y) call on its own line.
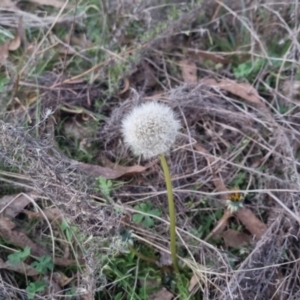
point(172, 214)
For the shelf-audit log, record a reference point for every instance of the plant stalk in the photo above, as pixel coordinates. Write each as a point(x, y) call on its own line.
point(172, 214)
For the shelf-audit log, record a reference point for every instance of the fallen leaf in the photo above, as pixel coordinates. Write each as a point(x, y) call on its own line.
point(235, 239)
point(53, 3)
point(188, 71)
point(53, 213)
point(15, 236)
point(21, 267)
point(194, 282)
point(108, 173)
point(242, 90)
point(251, 222)
point(12, 205)
point(162, 294)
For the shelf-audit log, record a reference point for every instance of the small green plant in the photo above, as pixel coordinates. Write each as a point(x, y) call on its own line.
point(35, 287)
point(70, 231)
point(43, 264)
point(19, 256)
point(248, 69)
point(126, 269)
point(145, 220)
point(105, 186)
point(239, 179)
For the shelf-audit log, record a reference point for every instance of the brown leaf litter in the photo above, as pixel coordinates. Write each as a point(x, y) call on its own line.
point(13, 235)
point(242, 90)
point(246, 216)
point(12, 205)
point(236, 239)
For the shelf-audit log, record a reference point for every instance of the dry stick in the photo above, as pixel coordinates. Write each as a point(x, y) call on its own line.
point(172, 214)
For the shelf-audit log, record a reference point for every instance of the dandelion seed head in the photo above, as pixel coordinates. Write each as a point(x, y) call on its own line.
point(150, 129)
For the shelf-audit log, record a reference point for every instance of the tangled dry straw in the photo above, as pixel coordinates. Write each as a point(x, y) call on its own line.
point(49, 174)
point(217, 123)
point(256, 136)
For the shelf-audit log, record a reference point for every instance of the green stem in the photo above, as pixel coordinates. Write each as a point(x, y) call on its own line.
point(171, 211)
point(142, 256)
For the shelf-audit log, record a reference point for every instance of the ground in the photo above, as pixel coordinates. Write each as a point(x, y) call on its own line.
point(82, 217)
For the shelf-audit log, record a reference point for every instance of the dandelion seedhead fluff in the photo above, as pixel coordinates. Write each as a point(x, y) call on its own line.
point(150, 129)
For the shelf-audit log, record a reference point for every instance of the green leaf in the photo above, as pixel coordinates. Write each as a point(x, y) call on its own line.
point(155, 212)
point(19, 256)
point(104, 185)
point(64, 225)
point(43, 265)
point(239, 179)
point(119, 296)
point(148, 222)
point(35, 287)
point(137, 218)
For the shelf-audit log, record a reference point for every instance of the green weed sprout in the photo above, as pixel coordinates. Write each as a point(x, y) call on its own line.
point(150, 130)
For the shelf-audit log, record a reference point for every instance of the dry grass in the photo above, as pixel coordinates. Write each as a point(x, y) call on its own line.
point(254, 144)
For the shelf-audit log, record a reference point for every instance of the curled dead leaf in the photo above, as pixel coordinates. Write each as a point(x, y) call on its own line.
point(11, 45)
point(235, 239)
